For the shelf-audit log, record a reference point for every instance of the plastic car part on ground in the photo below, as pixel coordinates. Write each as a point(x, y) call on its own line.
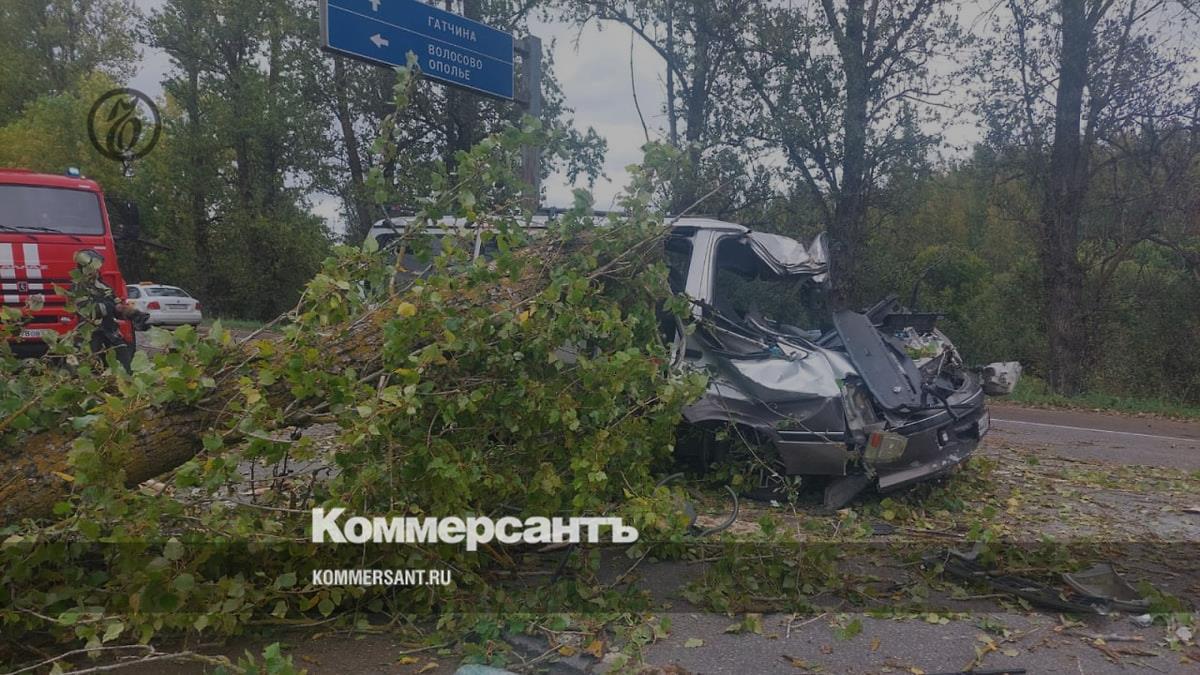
point(1000, 378)
point(1097, 590)
point(1102, 581)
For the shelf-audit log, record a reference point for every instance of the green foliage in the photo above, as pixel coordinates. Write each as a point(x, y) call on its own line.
point(533, 384)
point(964, 236)
point(770, 570)
point(50, 135)
point(47, 47)
point(1033, 390)
point(273, 662)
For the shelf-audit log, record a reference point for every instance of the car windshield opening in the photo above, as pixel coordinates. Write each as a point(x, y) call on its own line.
point(47, 210)
point(745, 288)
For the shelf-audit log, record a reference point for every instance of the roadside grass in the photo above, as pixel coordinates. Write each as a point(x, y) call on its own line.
point(1034, 391)
point(235, 324)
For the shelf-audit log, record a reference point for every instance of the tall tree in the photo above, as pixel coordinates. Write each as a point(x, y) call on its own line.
point(251, 149)
point(845, 91)
point(45, 47)
point(1068, 81)
point(695, 41)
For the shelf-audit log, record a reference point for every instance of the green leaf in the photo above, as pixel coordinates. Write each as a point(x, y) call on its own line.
point(113, 631)
point(849, 630)
point(140, 363)
point(326, 607)
point(173, 550)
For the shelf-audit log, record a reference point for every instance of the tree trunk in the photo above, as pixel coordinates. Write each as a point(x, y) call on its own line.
point(463, 129)
point(272, 177)
point(1066, 183)
point(696, 116)
point(198, 199)
point(672, 116)
point(356, 198)
point(31, 479)
point(846, 231)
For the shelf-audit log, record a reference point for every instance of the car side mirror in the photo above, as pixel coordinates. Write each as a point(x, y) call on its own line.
point(125, 218)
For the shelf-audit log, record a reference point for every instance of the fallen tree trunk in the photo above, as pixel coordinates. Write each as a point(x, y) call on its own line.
point(37, 475)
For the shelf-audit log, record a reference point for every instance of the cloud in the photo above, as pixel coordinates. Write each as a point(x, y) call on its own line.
point(592, 66)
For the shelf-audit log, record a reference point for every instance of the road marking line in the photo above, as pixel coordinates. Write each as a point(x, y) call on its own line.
point(1099, 431)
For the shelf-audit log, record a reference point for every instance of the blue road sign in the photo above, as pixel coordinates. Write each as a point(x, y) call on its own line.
point(450, 48)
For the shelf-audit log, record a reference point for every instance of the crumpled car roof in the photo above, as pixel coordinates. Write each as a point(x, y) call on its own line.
point(787, 257)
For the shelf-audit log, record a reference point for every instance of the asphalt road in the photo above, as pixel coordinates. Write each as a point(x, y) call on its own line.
point(1038, 641)
point(1105, 437)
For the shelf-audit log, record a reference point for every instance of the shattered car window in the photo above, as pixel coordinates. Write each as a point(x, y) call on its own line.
point(678, 257)
point(746, 288)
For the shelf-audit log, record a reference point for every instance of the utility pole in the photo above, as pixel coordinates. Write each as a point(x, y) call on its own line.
point(530, 49)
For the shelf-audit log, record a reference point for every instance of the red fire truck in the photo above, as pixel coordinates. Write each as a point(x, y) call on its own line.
point(47, 224)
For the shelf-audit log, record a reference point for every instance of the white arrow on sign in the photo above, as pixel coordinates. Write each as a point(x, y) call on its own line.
point(379, 40)
point(374, 5)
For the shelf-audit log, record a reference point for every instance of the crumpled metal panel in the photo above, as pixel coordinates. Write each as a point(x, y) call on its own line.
point(1000, 378)
point(784, 379)
point(891, 376)
point(788, 257)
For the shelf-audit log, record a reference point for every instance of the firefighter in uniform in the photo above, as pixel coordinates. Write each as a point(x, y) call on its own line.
point(97, 304)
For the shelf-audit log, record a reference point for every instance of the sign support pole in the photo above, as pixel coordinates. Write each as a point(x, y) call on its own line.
point(531, 100)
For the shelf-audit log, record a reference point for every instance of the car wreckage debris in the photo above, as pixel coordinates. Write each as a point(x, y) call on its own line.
point(1096, 590)
point(854, 399)
point(848, 399)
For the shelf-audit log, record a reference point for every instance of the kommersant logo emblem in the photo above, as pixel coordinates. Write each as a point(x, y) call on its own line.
point(124, 125)
point(327, 527)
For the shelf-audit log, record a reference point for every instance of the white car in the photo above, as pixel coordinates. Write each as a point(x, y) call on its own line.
point(165, 305)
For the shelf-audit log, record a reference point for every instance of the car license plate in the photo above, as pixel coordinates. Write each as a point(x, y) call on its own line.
point(35, 333)
point(176, 306)
point(984, 423)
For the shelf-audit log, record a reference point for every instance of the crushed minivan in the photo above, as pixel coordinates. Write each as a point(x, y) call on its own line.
point(851, 399)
